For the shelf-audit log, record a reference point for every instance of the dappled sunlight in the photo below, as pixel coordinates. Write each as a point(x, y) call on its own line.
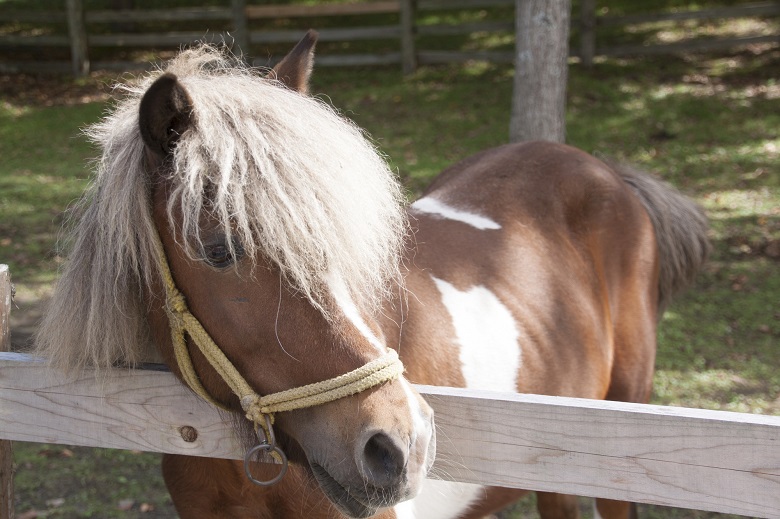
point(732, 203)
point(715, 389)
point(666, 32)
point(484, 40)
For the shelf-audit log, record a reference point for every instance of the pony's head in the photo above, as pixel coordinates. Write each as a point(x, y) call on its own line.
point(282, 227)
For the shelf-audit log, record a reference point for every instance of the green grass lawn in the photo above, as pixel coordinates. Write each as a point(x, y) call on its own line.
point(708, 124)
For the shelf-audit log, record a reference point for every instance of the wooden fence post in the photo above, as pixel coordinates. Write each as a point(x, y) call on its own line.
point(77, 30)
point(6, 456)
point(587, 31)
point(240, 28)
point(408, 52)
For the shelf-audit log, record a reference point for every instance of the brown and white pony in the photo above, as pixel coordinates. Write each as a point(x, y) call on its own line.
point(530, 267)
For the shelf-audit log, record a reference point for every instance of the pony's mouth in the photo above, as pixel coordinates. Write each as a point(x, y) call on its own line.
point(360, 502)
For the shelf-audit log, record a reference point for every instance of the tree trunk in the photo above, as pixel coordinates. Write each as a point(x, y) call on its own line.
point(541, 70)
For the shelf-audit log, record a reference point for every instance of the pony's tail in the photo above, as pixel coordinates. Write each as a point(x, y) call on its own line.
point(680, 231)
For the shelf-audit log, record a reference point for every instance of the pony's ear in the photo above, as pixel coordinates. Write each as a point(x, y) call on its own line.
point(295, 69)
point(164, 114)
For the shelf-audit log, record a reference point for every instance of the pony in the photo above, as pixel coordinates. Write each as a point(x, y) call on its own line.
point(233, 216)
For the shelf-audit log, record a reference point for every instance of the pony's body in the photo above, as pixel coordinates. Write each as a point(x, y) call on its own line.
point(531, 267)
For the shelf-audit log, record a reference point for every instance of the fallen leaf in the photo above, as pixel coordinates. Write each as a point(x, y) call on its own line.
point(146, 507)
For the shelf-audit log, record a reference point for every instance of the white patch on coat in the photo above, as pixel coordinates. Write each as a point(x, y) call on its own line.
point(435, 207)
point(439, 500)
point(338, 290)
point(422, 431)
point(487, 335)
point(423, 427)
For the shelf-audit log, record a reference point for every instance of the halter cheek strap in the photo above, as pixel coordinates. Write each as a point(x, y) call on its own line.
point(260, 410)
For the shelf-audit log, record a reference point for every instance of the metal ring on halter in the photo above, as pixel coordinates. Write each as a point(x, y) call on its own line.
point(271, 449)
point(269, 445)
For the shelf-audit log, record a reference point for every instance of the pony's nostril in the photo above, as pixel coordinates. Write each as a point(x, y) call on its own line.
point(384, 460)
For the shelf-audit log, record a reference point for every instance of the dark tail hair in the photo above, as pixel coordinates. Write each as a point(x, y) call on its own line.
point(680, 231)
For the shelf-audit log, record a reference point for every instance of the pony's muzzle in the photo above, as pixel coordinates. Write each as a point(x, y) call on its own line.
point(382, 459)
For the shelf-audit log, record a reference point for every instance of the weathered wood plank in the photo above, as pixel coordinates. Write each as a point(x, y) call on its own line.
point(45, 40)
point(707, 460)
point(464, 28)
point(770, 8)
point(710, 460)
point(170, 39)
point(449, 5)
point(158, 15)
point(6, 454)
point(431, 57)
point(139, 410)
point(37, 67)
point(47, 16)
point(240, 28)
point(377, 32)
point(408, 29)
point(79, 48)
point(295, 11)
point(693, 45)
point(587, 24)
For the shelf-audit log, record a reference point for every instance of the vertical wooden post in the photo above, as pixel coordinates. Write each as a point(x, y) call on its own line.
point(240, 28)
point(587, 31)
point(541, 70)
point(77, 29)
point(6, 456)
point(408, 52)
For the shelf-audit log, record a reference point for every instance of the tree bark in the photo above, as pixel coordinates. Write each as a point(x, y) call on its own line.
point(541, 70)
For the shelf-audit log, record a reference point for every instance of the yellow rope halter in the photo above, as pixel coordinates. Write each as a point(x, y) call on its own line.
point(260, 410)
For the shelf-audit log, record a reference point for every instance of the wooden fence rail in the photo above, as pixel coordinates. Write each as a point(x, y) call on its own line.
point(234, 21)
point(708, 460)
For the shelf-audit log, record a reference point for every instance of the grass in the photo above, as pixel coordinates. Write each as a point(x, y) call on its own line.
point(707, 123)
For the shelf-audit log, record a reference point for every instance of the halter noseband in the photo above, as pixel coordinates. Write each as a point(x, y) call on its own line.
point(260, 410)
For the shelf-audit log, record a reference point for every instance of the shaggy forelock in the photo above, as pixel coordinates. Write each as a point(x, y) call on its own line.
point(281, 172)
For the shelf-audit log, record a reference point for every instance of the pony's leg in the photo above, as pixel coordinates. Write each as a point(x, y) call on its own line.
point(494, 500)
point(609, 509)
point(557, 506)
point(205, 488)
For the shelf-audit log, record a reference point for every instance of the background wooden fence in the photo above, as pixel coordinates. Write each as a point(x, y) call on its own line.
point(708, 460)
point(381, 32)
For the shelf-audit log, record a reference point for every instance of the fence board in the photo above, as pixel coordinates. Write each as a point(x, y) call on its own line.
point(737, 11)
point(447, 5)
point(157, 39)
point(46, 17)
point(710, 460)
point(377, 32)
point(45, 40)
point(464, 28)
point(6, 455)
point(431, 57)
point(295, 11)
point(159, 15)
point(685, 46)
point(237, 14)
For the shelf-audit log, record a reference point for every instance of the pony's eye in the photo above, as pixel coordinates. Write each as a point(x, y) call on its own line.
point(220, 256)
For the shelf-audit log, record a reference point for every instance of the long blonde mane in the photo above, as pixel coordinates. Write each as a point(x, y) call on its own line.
point(284, 173)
